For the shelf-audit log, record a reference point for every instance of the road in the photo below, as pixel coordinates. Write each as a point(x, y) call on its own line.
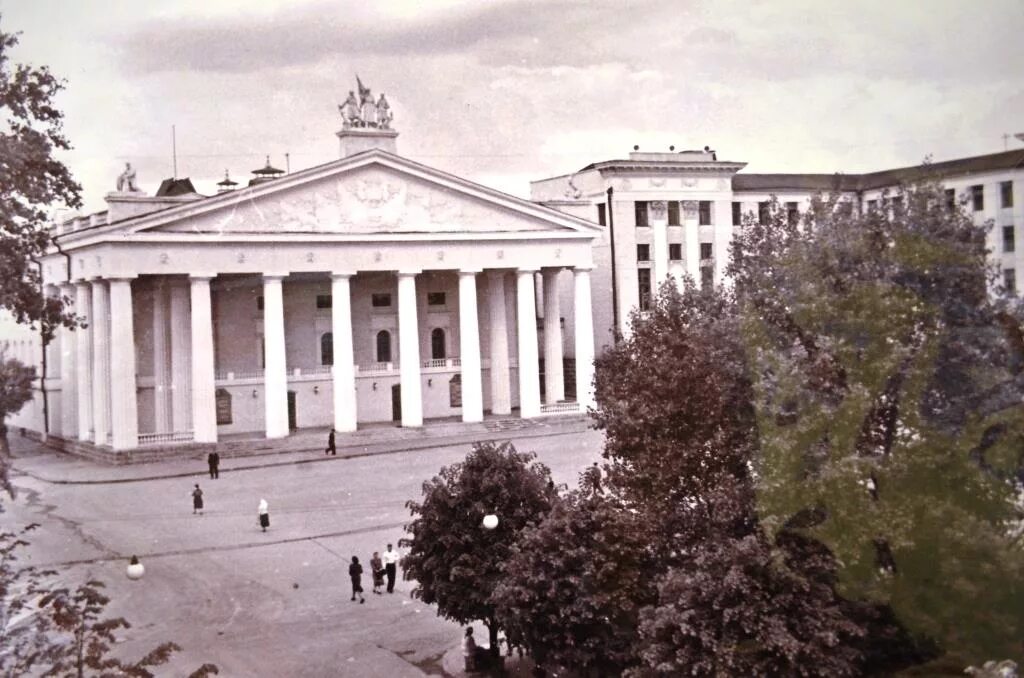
point(254, 603)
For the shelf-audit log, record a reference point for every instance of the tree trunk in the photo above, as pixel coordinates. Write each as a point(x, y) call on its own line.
point(492, 630)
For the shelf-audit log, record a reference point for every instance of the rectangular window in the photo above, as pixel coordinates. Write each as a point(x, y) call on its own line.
point(675, 252)
point(845, 208)
point(640, 209)
point(1009, 242)
point(1010, 280)
point(704, 207)
point(673, 213)
point(950, 199)
point(435, 299)
point(705, 251)
point(643, 276)
point(602, 217)
point(978, 198)
point(792, 213)
point(1006, 194)
point(897, 205)
point(323, 301)
point(706, 277)
point(380, 299)
point(872, 205)
point(259, 303)
point(737, 214)
point(643, 252)
point(762, 213)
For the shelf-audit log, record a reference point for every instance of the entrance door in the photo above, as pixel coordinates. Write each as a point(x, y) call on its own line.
point(396, 403)
point(291, 411)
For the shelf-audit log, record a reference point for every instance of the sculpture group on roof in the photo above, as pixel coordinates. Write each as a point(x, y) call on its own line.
point(364, 112)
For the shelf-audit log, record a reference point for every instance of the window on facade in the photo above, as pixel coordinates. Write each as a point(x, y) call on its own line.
point(263, 352)
point(327, 349)
point(383, 346)
point(762, 213)
point(792, 213)
point(704, 212)
point(675, 251)
point(380, 299)
point(643, 277)
point(705, 251)
point(845, 208)
point(602, 216)
point(323, 301)
point(737, 214)
point(872, 205)
point(1006, 194)
point(978, 198)
point(951, 199)
point(1009, 242)
point(259, 303)
point(897, 205)
point(640, 209)
point(1010, 280)
point(643, 252)
point(435, 299)
point(673, 213)
point(437, 349)
point(706, 277)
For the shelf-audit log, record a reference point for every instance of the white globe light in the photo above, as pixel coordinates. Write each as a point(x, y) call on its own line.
point(490, 521)
point(135, 571)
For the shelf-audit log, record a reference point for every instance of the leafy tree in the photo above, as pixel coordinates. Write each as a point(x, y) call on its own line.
point(24, 640)
point(573, 585)
point(887, 388)
point(31, 181)
point(15, 390)
point(455, 561)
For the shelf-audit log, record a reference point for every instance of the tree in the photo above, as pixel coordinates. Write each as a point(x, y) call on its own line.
point(887, 389)
point(15, 390)
point(455, 561)
point(24, 639)
point(31, 180)
point(573, 585)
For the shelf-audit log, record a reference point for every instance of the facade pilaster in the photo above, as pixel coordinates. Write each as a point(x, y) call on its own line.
point(658, 216)
point(529, 368)
point(181, 358)
point(83, 355)
point(409, 350)
point(68, 374)
point(275, 374)
point(161, 362)
point(343, 371)
point(723, 239)
point(691, 240)
point(469, 349)
point(554, 380)
point(204, 404)
point(584, 330)
point(501, 389)
point(123, 404)
point(100, 361)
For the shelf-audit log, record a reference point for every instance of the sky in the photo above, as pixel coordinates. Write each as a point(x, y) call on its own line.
point(507, 91)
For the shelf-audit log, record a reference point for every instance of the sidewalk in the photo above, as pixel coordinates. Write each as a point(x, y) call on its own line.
point(38, 461)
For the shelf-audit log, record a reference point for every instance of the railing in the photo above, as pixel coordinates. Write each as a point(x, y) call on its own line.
point(441, 362)
point(164, 438)
point(375, 368)
point(557, 408)
point(225, 375)
point(320, 369)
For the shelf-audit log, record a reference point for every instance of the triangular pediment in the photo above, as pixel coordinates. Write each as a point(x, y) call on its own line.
point(382, 194)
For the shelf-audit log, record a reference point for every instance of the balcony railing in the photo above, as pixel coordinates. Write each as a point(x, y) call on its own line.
point(558, 408)
point(165, 438)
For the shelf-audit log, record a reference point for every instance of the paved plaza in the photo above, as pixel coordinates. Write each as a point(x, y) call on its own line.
point(257, 604)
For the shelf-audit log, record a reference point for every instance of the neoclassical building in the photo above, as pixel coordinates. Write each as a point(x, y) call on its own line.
point(368, 289)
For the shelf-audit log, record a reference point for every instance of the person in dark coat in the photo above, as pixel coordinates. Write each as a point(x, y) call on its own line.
point(355, 572)
point(213, 459)
point(331, 449)
point(197, 500)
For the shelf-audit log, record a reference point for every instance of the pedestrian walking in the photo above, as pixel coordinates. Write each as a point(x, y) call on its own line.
point(264, 511)
point(377, 571)
point(355, 572)
point(331, 449)
point(391, 567)
point(197, 500)
point(213, 460)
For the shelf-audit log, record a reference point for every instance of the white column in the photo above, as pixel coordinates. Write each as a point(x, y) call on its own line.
point(691, 240)
point(204, 404)
point(68, 374)
point(529, 368)
point(343, 371)
point(161, 362)
point(181, 359)
point(723, 238)
point(275, 374)
point(83, 351)
point(123, 405)
point(100, 362)
point(584, 328)
point(469, 349)
point(501, 396)
point(554, 380)
point(409, 350)
point(658, 214)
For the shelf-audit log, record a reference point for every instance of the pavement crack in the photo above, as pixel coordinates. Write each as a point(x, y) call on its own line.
point(33, 499)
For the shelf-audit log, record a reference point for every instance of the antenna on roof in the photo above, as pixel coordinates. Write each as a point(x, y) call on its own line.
point(174, 152)
point(288, 163)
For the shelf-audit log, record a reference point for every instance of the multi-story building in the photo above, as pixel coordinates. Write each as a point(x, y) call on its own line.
point(666, 214)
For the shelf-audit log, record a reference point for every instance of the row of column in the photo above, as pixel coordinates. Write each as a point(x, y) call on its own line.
point(691, 223)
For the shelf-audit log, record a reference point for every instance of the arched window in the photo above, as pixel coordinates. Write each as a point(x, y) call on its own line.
point(437, 351)
point(327, 349)
point(383, 346)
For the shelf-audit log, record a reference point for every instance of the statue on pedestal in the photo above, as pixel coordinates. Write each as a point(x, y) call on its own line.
point(126, 180)
point(365, 112)
point(350, 111)
point(384, 114)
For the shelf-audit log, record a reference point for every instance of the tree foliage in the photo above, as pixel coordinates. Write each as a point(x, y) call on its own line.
point(24, 640)
point(455, 561)
point(15, 390)
point(32, 179)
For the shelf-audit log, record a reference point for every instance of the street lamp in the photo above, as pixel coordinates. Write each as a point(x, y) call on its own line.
point(135, 569)
point(490, 521)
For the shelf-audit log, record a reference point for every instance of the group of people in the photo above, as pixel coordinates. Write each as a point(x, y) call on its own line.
point(262, 511)
point(380, 567)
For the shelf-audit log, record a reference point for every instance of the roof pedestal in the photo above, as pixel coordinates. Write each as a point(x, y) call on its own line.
point(359, 139)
